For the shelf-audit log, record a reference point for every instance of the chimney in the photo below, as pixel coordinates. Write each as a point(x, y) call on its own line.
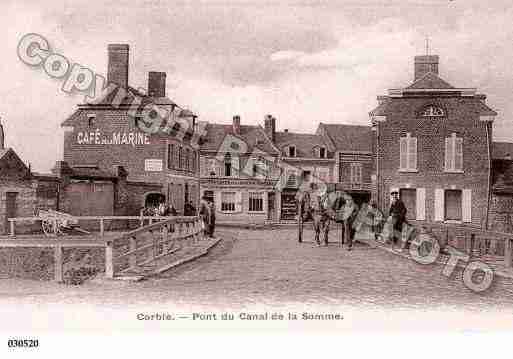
point(425, 64)
point(156, 84)
point(236, 124)
point(270, 127)
point(118, 64)
point(2, 137)
point(286, 130)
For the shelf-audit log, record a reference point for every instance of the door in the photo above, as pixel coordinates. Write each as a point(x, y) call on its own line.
point(10, 209)
point(271, 211)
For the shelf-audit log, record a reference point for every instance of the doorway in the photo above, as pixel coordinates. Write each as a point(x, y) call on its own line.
point(10, 208)
point(271, 211)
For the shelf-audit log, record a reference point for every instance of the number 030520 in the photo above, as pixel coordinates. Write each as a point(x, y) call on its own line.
point(23, 343)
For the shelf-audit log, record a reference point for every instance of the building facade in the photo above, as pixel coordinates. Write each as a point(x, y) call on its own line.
point(147, 134)
point(239, 172)
point(434, 147)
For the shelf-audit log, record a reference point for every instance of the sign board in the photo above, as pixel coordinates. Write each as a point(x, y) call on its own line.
point(153, 165)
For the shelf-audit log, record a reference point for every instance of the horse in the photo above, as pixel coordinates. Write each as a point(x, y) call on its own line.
point(320, 210)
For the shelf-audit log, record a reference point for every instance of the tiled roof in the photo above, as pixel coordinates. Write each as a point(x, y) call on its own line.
point(305, 143)
point(3, 152)
point(129, 99)
point(502, 149)
point(430, 81)
point(350, 138)
point(215, 134)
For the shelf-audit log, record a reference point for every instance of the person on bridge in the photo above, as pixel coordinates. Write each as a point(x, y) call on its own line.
point(204, 212)
point(397, 213)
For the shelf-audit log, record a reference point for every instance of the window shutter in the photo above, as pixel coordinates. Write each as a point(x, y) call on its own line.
point(203, 167)
point(448, 154)
point(458, 158)
point(238, 201)
point(421, 204)
point(217, 200)
point(439, 204)
point(466, 205)
point(403, 153)
point(412, 153)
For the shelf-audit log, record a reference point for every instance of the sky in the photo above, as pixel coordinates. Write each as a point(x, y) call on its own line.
point(304, 62)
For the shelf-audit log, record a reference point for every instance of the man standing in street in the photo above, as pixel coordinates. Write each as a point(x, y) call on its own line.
point(204, 212)
point(398, 214)
point(211, 218)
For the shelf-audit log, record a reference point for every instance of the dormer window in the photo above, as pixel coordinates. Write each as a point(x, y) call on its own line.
point(292, 151)
point(90, 119)
point(432, 111)
point(322, 152)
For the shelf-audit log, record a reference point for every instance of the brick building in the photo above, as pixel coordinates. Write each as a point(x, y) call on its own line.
point(354, 161)
point(113, 130)
point(434, 145)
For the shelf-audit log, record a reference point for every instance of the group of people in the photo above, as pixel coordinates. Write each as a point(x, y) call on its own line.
point(322, 207)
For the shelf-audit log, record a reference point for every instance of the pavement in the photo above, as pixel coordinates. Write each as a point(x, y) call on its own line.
point(269, 267)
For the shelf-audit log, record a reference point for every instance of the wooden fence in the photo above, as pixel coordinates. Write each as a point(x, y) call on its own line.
point(479, 243)
point(123, 252)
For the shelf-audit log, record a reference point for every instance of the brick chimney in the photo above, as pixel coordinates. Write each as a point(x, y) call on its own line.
point(270, 127)
point(2, 137)
point(425, 64)
point(236, 125)
point(156, 84)
point(118, 64)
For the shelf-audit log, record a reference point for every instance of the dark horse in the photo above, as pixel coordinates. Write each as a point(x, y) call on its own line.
point(319, 209)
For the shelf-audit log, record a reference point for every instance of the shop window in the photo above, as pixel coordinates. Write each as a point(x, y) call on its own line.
point(256, 202)
point(228, 201)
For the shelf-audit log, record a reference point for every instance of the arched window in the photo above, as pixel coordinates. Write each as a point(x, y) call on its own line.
point(432, 111)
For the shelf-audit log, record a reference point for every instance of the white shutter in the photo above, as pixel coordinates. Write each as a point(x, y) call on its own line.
point(439, 204)
point(217, 200)
point(203, 166)
point(448, 153)
point(466, 205)
point(458, 155)
point(238, 201)
point(412, 153)
point(403, 153)
point(421, 204)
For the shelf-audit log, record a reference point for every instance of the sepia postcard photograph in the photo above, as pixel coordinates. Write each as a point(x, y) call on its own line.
point(173, 169)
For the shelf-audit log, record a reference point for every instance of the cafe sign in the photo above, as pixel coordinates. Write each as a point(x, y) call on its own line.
point(115, 138)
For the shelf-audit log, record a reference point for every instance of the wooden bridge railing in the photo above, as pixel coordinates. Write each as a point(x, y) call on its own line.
point(475, 241)
point(127, 251)
point(148, 243)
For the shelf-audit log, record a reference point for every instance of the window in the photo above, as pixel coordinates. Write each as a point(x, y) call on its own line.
point(209, 195)
point(408, 153)
point(193, 157)
point(170, 154)
point(409, 198)
point(322, 152)
point(454, 154)
point(180, 157)
point(228, 201)
point(292, 151)
point(432, 111)
point(291, 178)
point(256, 202)
point(453, 202)
point(212, 166)
point(91, 119)
point(356, 173)
point(307, 176)
point(228, 165)
point(188, 159)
